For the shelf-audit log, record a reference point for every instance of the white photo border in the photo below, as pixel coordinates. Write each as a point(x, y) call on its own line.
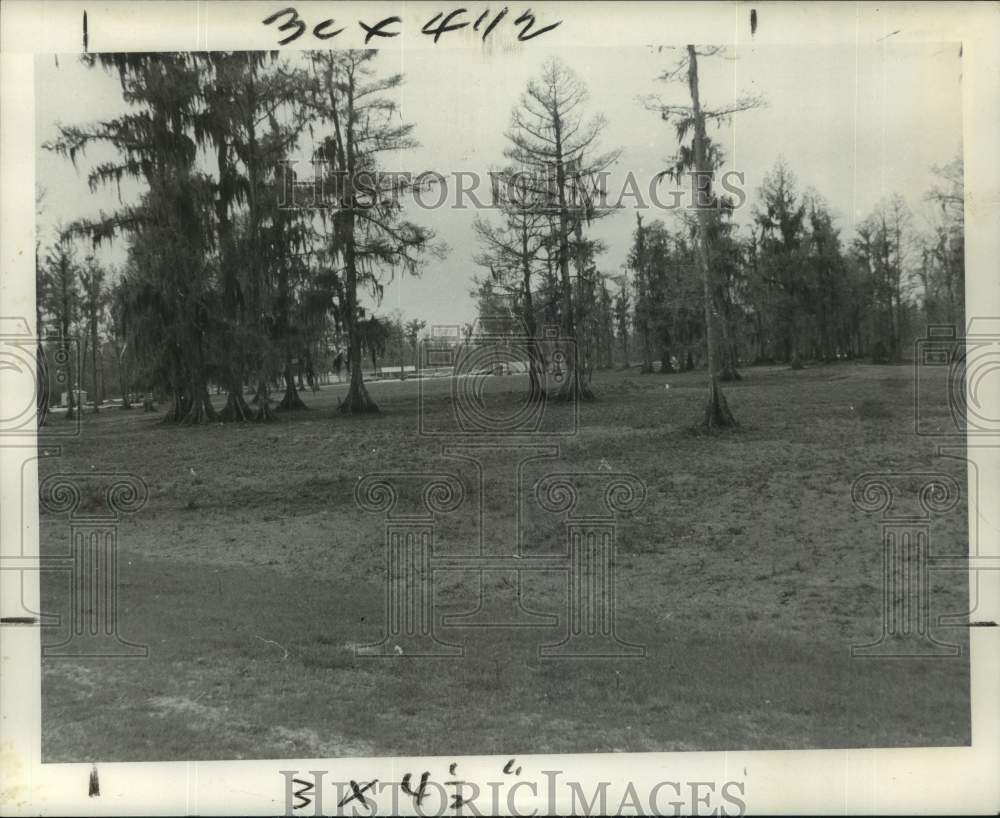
point(876, 781)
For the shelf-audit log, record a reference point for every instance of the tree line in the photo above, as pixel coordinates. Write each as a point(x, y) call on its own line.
point(700, 289)
point(224, 284)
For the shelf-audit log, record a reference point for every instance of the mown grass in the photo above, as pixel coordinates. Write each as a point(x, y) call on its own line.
point(747, 574)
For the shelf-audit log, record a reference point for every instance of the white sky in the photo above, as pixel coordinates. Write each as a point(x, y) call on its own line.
point(855, 123)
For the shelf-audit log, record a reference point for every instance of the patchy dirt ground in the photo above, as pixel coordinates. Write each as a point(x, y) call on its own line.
point(748, 573)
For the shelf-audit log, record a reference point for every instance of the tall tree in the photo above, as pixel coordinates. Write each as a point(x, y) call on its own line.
point(943, 271)
point(703, 161)
point(623, 317)
point(234, 107)
point(156, 142)
point(644, 310)
point(550, 138)
point(781, 217)
point(369, 235)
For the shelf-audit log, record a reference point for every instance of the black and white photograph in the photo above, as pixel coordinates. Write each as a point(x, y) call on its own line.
point(510, 395)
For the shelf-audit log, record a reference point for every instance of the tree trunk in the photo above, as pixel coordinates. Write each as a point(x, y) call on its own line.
point(728, 372)
point(717, 414)
point(200, 409)
point(123, 379)
point(536, 383)
point(291, 400)
point(265, 414)
point(647, 354)
point(357, 401)
point(179, 408)
point(93, 363)
point(576, 386)
point(70, 396)
point(643, 297)
point(236, 409)
point(84, 354)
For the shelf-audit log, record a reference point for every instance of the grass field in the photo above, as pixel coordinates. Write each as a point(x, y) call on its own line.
point(748, 573)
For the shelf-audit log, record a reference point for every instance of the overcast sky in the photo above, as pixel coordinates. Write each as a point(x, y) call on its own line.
point(856, 124)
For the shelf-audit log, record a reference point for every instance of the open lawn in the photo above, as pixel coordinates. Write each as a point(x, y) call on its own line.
point(747, 574)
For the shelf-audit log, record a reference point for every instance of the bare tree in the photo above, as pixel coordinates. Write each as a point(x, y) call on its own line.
point(944, 260)
point(550, 138)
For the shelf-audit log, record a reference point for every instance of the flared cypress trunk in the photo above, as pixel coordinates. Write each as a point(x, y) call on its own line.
point(717, 414)
point(236, 410)
point(179, 406)
point(291, 400)
point(192, 403)
point(200, 409)
point(358, 401)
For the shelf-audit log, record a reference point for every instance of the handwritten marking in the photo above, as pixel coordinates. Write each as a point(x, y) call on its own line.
point(376, 30)
point(294, 26)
